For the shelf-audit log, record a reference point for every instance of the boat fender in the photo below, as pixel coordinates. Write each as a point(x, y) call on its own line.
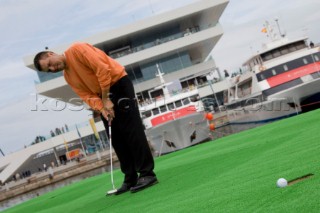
point(261, 68)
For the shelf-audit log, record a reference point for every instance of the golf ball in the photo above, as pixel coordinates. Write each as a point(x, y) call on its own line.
point(282, 182)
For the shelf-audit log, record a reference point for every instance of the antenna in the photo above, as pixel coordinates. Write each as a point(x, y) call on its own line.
point(277, 21)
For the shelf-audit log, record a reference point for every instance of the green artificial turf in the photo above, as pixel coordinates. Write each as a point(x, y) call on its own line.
point(237, 173)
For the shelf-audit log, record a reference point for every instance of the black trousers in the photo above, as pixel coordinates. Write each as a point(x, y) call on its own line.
point(128, 137)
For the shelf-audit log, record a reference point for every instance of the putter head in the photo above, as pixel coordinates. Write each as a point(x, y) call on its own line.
point(111, 192)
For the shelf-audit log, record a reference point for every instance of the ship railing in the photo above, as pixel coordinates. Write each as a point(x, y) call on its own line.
point(158, 99)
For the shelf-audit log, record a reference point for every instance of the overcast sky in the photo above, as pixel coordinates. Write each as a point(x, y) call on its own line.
point(28, 26)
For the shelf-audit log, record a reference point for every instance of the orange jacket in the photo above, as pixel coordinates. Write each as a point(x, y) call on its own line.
point(89, 70)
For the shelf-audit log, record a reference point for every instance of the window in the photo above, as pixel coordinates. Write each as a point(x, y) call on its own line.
point(316, 58)
point(292, 48)
point(163, 108)
point(276, 53)
point(305, 61)
point(170, 106)
point(284, 50)
point(194, 98)
point(155, 111)
point(285, 67)
point(301, 45)
point(178, 103)
point(146, 114)
point(267, 56)
point(274, 72)
point(185, 101)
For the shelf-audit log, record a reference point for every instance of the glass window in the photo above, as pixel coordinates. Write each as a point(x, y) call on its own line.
point(292, 48)
point(305, 61)
point(301, 45)
point(155, 111)
point(170, 106)
point(169, 64)
point(178, 103)
point(276, 53)
point(146, 114)
point(185, 101)
point(316, 58)
point(285, 67)
point(266, 56)
point(274, 72)
point(194, 98)
point(163, 108)
point(44, 76)
point(284, 50)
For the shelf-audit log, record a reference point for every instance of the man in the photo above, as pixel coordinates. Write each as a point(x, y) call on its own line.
point(104, 85)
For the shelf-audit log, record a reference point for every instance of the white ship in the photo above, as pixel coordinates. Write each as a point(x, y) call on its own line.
point(277, 82)
point(174, 120)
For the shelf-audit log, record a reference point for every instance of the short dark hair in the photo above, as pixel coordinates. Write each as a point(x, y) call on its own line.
point(38, 57)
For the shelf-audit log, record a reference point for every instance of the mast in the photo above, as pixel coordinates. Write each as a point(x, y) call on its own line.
point(277, 21)
point(162, 81)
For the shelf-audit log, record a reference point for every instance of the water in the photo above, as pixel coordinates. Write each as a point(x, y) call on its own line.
point(35, 193)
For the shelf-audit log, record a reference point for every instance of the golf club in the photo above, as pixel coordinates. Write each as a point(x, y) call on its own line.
point(114, 190)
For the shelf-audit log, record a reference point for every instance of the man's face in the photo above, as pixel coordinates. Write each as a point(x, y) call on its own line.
point(52, 63)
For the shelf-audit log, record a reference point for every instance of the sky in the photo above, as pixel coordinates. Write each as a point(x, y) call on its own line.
point(28, 26)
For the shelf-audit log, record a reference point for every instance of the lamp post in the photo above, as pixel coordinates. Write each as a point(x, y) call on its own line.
point(210, 77)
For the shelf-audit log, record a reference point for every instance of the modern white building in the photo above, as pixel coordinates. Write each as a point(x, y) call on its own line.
point(179, 41)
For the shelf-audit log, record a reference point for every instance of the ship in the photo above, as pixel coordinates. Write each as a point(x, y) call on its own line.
point(277, 82)
point(175, 119)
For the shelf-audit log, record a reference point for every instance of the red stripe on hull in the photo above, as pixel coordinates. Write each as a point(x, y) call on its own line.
point(173, 115)
point(293, 74)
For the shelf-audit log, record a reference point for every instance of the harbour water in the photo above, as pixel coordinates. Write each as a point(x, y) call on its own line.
point(48, 185)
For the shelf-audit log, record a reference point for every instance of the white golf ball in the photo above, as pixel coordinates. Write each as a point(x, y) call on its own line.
point(282, 182)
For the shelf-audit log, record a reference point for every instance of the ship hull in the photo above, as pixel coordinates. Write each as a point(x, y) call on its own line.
point(247, 117)
point(300, 93)
point(178, 134)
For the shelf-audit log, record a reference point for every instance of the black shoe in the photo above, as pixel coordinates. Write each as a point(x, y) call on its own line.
point(124, 188)
point(144, 182)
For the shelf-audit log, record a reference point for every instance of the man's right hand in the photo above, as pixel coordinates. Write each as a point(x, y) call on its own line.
point(107, 114)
